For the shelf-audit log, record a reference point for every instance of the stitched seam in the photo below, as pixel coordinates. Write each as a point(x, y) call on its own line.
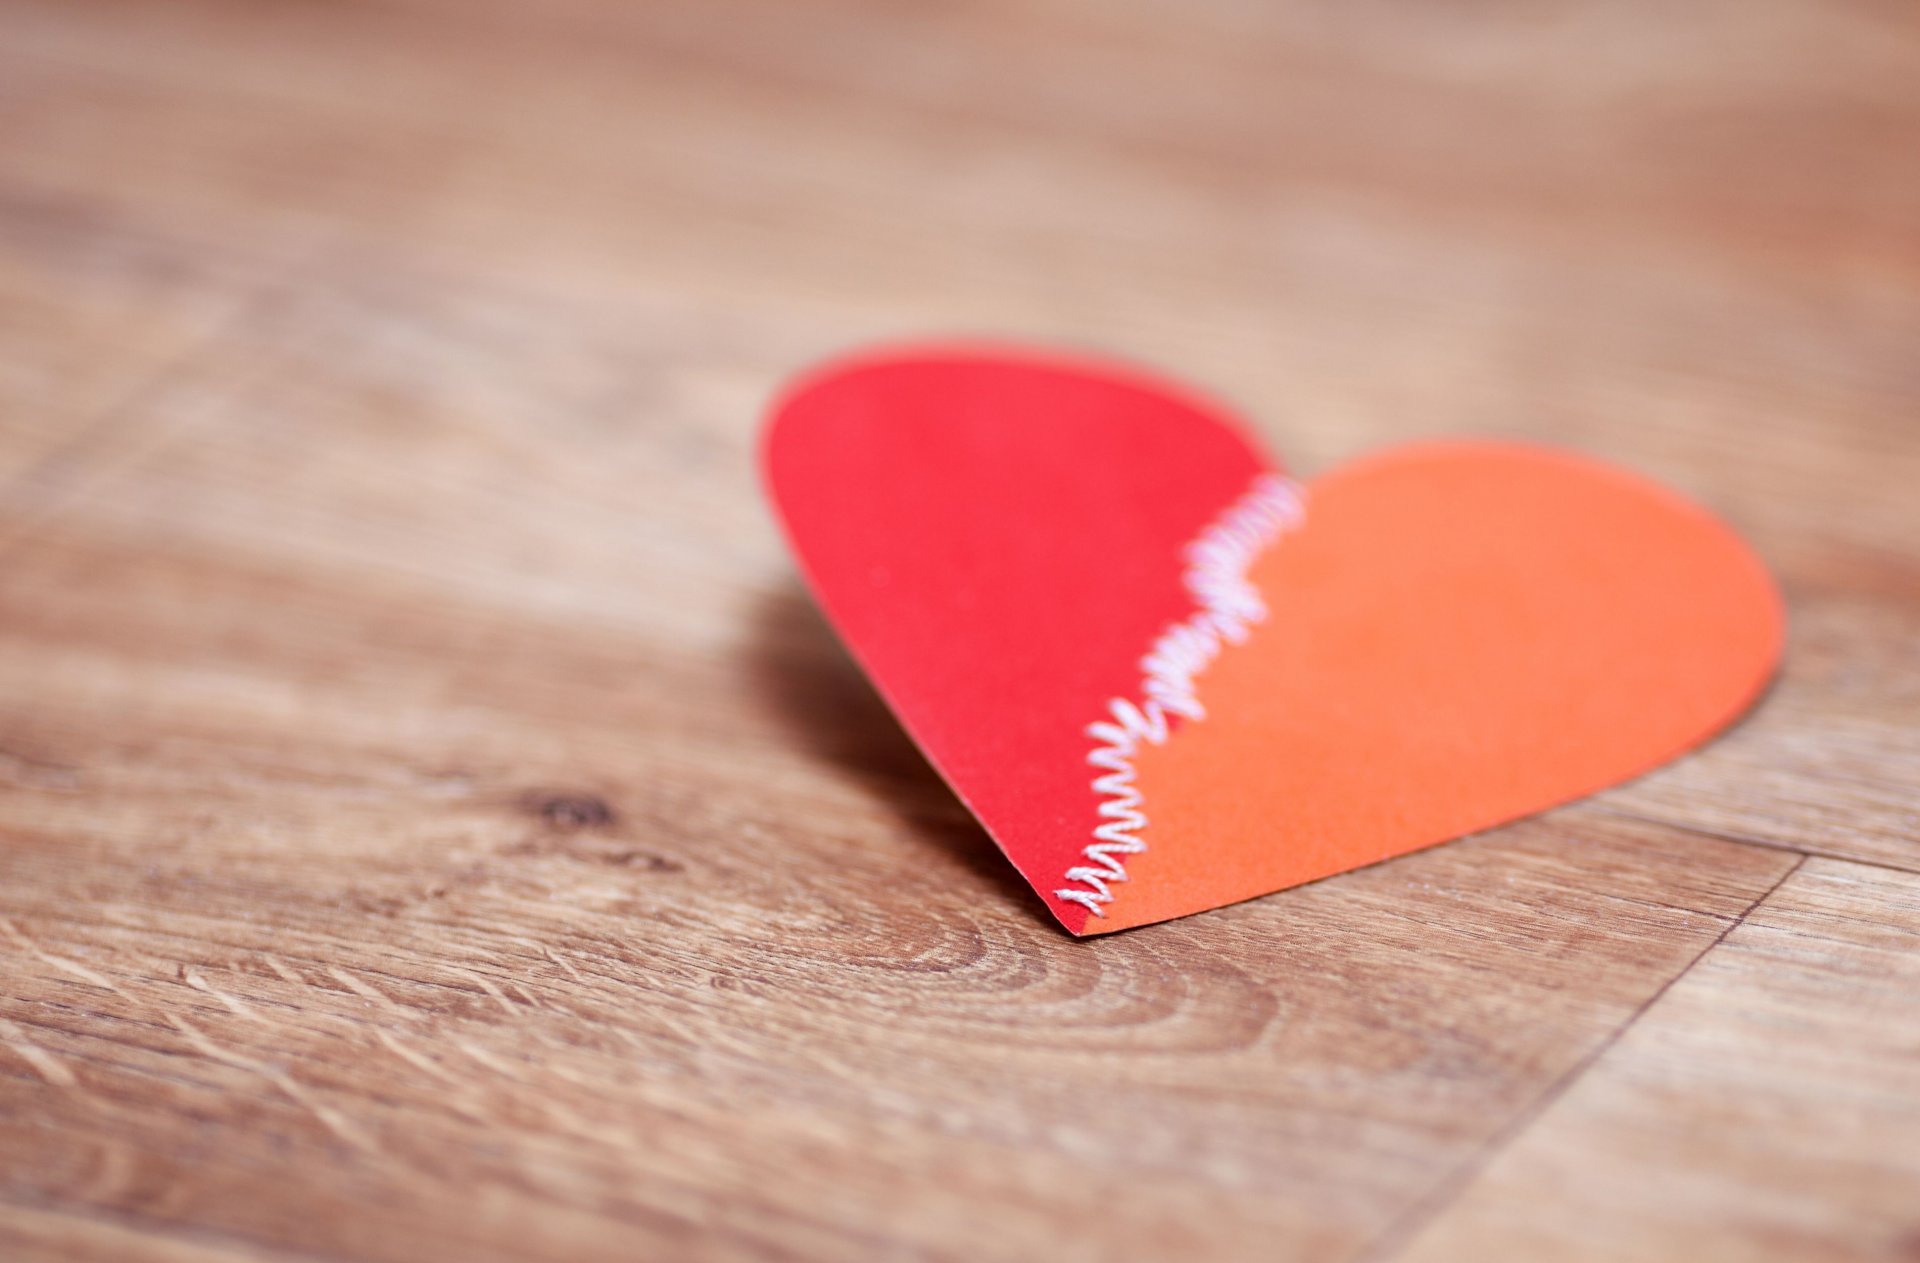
point(1228, 607)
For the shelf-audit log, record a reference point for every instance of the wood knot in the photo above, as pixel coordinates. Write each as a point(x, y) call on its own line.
point(630, 858)
point(569, 812)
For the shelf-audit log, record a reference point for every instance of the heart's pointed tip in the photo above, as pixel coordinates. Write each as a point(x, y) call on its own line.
point(1085, 924)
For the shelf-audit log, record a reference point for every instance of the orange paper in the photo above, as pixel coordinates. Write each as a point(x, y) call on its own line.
point(1459, 634)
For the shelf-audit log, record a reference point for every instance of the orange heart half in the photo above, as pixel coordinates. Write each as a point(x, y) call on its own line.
point(1457, 635)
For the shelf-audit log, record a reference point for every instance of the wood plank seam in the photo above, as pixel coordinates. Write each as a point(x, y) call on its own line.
point(1742, 839)
point(1401, 1233)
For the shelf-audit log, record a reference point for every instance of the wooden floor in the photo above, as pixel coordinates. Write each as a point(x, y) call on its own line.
point(436, 825)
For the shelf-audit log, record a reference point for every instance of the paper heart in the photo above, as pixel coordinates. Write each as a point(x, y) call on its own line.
point(1167, 678)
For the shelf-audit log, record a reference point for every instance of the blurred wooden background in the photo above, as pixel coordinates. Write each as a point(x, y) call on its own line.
point(436, 827)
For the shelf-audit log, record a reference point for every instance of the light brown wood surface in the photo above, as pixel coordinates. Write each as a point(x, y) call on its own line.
point(435, 825)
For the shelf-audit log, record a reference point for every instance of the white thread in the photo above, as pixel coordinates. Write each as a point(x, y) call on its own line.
point(1229, 606)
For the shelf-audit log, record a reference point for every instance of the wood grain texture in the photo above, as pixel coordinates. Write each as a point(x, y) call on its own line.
point(436, 825)
point(1765, 1107)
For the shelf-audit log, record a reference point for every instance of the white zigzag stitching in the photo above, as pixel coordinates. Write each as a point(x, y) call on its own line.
point(1229, 606)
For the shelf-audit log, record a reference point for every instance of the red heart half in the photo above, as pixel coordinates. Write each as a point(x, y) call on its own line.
point(1166, 678)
